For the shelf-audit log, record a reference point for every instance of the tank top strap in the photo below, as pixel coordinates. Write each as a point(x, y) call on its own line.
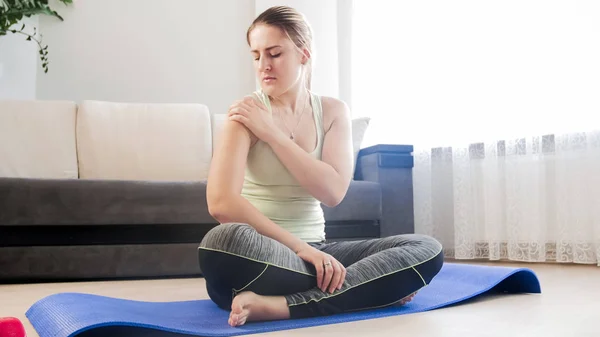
point(318, 115)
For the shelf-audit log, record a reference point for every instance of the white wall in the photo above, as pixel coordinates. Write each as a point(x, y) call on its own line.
point(322, 16)
point(190, 51)
point(155, 51)
point(18, 63)
point(344, 38)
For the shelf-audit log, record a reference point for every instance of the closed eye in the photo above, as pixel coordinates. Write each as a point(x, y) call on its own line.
point(273, 56)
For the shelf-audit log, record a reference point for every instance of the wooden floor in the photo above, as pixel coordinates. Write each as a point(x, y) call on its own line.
point(568, 306)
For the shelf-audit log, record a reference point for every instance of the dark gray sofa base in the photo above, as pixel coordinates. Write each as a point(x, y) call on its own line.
point(98, 229)
point(97, 262)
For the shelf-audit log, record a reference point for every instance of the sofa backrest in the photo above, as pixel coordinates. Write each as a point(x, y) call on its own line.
point(37, 139)
point(136, 141)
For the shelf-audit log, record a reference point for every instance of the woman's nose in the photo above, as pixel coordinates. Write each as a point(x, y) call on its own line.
point(264, 64)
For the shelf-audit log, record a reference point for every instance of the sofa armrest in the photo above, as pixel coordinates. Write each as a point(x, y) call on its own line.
point(391, 166)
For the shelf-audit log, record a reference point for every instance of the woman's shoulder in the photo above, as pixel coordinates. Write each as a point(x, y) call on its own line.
point(333, 104)
point(333, 108)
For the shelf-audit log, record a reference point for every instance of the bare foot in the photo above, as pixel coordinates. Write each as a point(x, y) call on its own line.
point(407, 299)
point(248, 306)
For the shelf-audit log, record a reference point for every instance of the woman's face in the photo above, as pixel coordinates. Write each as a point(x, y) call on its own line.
point(277, 60)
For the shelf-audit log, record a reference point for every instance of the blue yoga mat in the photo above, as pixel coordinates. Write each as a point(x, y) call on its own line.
point(70, 314)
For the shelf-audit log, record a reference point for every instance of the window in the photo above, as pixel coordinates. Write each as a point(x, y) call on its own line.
point(441, 72)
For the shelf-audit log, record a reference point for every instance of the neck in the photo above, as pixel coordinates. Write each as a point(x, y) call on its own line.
point(293, 100)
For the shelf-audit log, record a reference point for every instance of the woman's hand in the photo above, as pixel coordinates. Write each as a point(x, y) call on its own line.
point(330, 273)
point(255, 116)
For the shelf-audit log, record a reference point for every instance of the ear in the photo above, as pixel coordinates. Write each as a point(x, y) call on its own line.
point(306, 55)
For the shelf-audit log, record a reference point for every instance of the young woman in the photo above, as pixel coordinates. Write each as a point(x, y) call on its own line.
point(283, 151)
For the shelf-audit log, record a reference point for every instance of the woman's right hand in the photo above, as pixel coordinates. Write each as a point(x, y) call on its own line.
point(330, 273)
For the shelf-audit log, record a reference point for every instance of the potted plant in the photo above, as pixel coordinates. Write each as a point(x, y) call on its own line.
point(13, 11)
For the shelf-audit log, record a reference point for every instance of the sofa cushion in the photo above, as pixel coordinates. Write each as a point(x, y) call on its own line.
point(135, 141)
point(37, 139)
point(362, 202)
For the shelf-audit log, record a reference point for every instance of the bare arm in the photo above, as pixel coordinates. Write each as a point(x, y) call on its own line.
point(327, 179)
point(224, 186)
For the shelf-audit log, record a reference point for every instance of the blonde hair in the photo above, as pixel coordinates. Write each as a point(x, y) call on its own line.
point(296, 27)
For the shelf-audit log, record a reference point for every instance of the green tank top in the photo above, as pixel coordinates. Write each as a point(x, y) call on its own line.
point(273, 190)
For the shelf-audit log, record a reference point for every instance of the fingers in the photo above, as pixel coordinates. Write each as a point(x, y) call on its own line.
point(338, 279)
point(239, 118)
point(244, 107)
point(337, 275)
point(239, 113)
point(343, 276)
point(328, 264)
point(319, 267)
point(331, 274)
point(237, 110)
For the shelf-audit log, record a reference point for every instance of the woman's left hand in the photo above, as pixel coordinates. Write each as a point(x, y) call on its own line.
point(255, 116)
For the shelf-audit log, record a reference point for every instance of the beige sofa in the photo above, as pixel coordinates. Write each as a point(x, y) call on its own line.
point(104, 140)
point(108, 189)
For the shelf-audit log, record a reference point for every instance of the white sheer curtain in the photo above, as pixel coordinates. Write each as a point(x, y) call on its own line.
point(532, 199)
point(502, 102)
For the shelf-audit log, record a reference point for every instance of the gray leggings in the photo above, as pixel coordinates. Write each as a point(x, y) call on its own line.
point(379, 272)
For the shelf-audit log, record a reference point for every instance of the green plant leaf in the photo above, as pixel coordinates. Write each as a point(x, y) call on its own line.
point(13, 11)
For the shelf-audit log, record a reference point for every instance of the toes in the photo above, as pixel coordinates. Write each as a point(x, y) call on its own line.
point(234, 319)
point(237, 320)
